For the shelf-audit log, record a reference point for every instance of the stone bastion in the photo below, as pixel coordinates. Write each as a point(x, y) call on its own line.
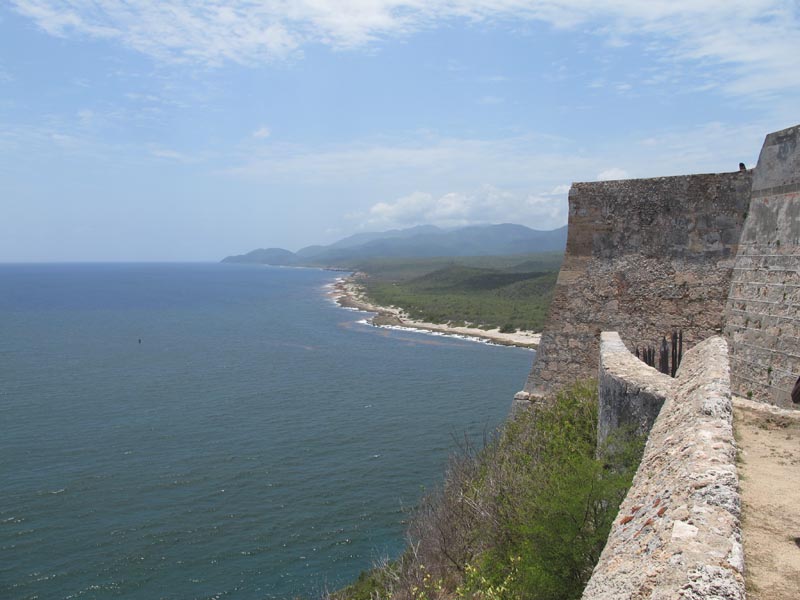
point(716, 256)
point(703, 254)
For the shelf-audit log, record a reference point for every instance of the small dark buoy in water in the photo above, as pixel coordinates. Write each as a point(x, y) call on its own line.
point(140, 340)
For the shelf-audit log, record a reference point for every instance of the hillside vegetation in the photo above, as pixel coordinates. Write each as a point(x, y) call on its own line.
point(526, 518)
point(500, 291)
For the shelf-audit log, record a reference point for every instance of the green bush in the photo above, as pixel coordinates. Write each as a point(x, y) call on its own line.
point(557, 500)
point(523, 519)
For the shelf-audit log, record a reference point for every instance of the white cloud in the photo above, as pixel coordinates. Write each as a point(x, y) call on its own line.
point(524, 164)
point(424, 162)
point(171, 155)
point(612, 174)
point(493, 79)
point(85, 116)
point(262, 133)
point(756, 41)
point(560, 189)
point(487, 204)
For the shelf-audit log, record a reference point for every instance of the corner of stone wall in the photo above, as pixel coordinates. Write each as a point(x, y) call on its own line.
point(677, 534)
point(762, 317)
point(630, 392)
point(644, 257)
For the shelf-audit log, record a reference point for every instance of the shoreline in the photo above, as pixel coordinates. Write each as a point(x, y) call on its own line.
point(348, 293)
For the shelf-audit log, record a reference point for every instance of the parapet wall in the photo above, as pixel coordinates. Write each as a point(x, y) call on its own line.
point(677, 534)
point(643, 257)
point(630, 393)
point(763, 309)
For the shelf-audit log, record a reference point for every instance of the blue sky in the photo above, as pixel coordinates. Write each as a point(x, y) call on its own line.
point(188, 130)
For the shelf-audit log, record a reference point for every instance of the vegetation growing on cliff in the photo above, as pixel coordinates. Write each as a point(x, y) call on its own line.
point(523, 519)
point(508, 292)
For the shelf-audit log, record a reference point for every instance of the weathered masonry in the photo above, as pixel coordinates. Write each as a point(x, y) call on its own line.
point(643, 257)
point(630, 393)
point(678, 531)
point(763, 310)
point(704, 254)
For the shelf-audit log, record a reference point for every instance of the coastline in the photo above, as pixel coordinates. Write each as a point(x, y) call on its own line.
point(348, 293)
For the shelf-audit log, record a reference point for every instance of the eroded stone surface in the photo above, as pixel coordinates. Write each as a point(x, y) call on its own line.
point(763, 309)
point(643, 257)
point(677, 534)
point(630, 393)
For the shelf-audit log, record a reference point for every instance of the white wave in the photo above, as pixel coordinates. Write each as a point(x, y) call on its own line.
point(448, 334)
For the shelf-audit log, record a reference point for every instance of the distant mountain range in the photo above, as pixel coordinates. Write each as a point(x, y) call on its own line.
point(416, 242)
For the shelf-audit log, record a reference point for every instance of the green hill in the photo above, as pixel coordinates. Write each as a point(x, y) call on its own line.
point(424, 241)
point(460, 292)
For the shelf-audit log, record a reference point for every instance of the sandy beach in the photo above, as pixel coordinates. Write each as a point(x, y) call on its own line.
point(348, 293)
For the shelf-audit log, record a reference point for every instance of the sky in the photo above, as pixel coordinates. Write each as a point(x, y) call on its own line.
point(188, 130)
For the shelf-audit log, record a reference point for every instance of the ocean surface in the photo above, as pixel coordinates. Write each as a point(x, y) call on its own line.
point(217, 431)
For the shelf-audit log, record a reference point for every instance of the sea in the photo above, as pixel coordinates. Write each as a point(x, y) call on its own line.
point(218, 431)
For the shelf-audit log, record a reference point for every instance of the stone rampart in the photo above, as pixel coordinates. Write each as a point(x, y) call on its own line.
point(643, 257)
point(630, 393)
point(677, 534)
point(763, 309)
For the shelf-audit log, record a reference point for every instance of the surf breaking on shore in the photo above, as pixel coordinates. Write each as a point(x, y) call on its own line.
point(347, 292)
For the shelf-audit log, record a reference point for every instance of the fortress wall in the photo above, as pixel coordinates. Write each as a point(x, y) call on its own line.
point(763, 309)
point(677, 534)
point(643, 256)
point(630, 393)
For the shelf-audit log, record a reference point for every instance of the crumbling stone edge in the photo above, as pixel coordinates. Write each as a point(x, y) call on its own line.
point(630, 392)
point(678, 533)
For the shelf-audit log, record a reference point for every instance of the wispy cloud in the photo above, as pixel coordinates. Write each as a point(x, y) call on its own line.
point(612, 174)
point(532, 162)
point(262, 133)
point(172, 155)
point(515, 161)
point(754, 41)
point(456, 181)
point(487, 204)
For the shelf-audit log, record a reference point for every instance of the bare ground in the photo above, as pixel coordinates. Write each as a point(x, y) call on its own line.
point(769, 467)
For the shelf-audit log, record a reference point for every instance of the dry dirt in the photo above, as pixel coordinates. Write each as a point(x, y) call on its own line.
point(769, 468)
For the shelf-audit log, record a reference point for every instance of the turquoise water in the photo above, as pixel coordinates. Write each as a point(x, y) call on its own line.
point(259, 442)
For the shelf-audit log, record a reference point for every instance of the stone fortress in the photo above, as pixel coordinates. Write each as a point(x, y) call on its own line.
point(716, 256)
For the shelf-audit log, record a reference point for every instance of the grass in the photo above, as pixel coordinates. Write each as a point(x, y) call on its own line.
point(511, 292)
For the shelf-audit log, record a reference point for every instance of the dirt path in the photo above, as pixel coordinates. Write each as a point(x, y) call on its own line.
point(769, 468)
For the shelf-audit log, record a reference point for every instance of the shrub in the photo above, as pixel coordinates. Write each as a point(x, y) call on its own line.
point(523, 519)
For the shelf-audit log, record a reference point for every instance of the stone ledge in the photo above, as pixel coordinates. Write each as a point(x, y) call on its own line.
point(630, 392)
point(677, 534)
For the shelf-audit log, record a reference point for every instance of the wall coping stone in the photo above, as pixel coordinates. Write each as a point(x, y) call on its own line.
point(677, 534)
point(630, 392)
